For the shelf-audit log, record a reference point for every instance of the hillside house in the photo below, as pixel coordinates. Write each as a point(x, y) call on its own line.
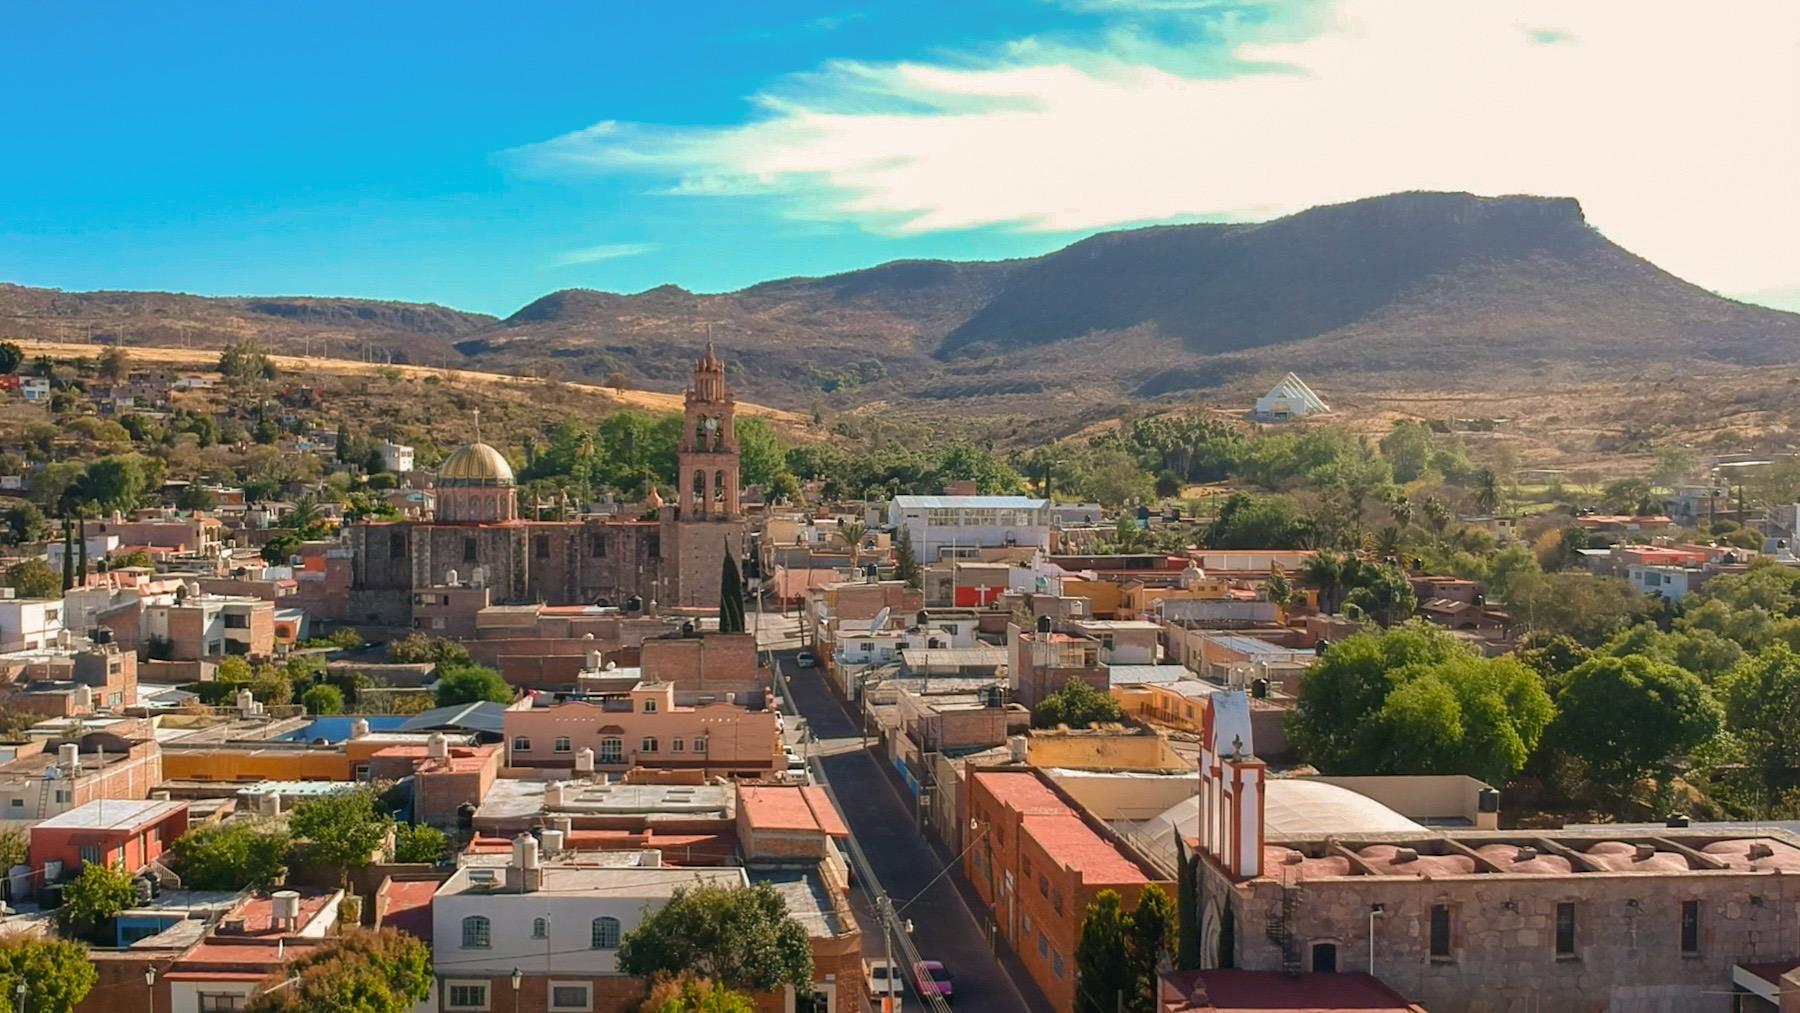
point(1290, 399)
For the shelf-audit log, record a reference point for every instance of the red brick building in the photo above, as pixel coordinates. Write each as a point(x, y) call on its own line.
point(1037, 862)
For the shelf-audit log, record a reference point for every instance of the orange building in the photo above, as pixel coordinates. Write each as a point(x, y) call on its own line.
point(113, 832)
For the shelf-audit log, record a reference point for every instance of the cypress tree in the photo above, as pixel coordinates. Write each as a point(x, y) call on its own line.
point(731, 596)
point(81, 548)
point(68, 557)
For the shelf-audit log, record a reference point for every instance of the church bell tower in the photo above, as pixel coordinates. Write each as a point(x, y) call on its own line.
point(708, 520)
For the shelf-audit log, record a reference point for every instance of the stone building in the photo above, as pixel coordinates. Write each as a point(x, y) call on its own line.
point(672, 555)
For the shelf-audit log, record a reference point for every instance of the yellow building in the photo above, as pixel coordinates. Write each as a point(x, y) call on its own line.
point(1102, 747)
point(1171, 703)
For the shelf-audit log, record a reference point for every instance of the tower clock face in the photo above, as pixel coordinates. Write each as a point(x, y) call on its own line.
point(712, 424)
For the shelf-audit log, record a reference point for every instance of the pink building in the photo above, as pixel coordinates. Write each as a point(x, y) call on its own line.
point(643, 728)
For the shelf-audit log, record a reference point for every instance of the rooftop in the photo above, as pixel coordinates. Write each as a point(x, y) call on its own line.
point(1252, 645)
point(1063, 835)
point(1139, 675)
point(806, 897)
point(516, 797)
point(780, 807)
point(970, 503)
point(482, 716)
point(113, 814)
point(629, 880)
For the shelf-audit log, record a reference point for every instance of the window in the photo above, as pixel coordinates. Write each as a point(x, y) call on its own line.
point(1043, 945)
point(541, 546)
point(568, 996)
point(1690, 926)
point(17, 803)
point(1056, 900)
point(521, 744)
point(475, 933)
point(396, 546)
point(648, 745)
point(237, 621)
point(1324, 958)
point(468, 996)
point(1027, 915)
point(700, 745)
point(220, 1002)
point(1056, 966)
point(1565, 930)
point(605, 933)
point(561, 745)
point(677, 745)
point(1043, 886)
point(540, 927)
point(470, 554)
point(598, 546)
point(649, 706)
point(612, 750)
point(1440, 930)
point(90, 853)
point(653, 546)
point(437, 622)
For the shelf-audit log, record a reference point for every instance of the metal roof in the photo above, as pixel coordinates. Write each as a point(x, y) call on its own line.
point(1251, 645)
point(480, 716)
point(1128, 675)
point(971, 502)
point(112, 814)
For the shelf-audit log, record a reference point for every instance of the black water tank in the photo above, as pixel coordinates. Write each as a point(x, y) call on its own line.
point(1043, 624)
point(1677, 820)
point(1259, 688)
point(1487, 800)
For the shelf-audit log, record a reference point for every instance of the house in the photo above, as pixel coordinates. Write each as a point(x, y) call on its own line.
point(642, 727)
point(1670, 582)
point(396, 457)
point(1290, 398)
point(46, 778)
point(199, 625)
point(956, 526)
point(127, 833)
point(34, 388)
point(29, 624)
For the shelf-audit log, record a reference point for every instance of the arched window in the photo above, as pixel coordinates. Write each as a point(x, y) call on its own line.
point(612, 750)
point(719, 485)
point(540, 927)
point(475, 933)
point(606, 933)
point(699, 497)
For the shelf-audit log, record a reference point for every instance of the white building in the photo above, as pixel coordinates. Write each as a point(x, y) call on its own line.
point(1672, 582)
point(396, 457)
point(558, 925)
point(951, 526)
point(34, 388)
point(27, 624)
point(1290, 399)
point(98, 546)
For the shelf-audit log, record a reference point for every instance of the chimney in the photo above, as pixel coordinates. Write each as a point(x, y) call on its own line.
point(525, 873)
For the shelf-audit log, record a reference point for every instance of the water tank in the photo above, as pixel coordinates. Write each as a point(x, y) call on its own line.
point(437, 747)
point(1259, 688)
point(68, 758)
point(1487, 800)
point(584, 760)
point(246, 702)
point(553, 841)
point(650, 858)
point(593, 661)
point(284, 910)
point(359, 728)
point(465, 816)
point(553, 795)
point(1017, 745)
point(450, 577)
point(1043, 624)
point(563, 825)
point(525, 852)
point(83, 698)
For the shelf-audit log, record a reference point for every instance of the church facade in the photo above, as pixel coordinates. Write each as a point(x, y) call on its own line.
point(673, 555)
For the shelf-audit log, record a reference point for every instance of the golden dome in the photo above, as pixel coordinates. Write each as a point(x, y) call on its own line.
point(476, 464)
point(654, 501)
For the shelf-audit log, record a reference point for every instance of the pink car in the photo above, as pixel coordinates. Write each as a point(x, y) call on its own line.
point(932, 979)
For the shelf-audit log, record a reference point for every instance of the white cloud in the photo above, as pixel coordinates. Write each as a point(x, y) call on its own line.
point(606, 251)
point(1671, 124)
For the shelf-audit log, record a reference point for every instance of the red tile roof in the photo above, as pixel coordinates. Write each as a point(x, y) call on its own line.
point(781, 807)
point(1059, 830)
point(408, 906)
point(825, 812)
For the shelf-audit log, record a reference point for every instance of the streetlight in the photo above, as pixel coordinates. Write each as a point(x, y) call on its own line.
point(150, 986)
point(518, 978)
point(19, 990)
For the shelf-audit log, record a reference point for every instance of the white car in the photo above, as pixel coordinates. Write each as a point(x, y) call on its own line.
point(879, 975)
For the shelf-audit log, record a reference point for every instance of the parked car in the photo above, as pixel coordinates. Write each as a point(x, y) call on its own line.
point(805, 659)
point(933, 979)
point(876, 975)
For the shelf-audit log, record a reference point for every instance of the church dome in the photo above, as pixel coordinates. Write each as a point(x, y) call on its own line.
point(475, 464)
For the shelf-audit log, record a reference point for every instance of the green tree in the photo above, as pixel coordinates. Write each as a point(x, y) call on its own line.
point(34, 578)
point(419, 842)
point(94, 898)
point(1384, 595)
point(57, 974)
point(113, 364)
point(25, 523)
point(15, 848)
point(1415, 700)
point(1278, 589)
point(731, 595)
point(231, 856)
point(688, 993)
point(906, 565)
point(470, 684)
point(1168, 485)
point(1762, 707)
point(1152, 936)
point(1674, 463)
point(1333, 574)
point(245, 361)
point(358, 972)
point(741, 937)
point(1625, 716)
point(11, 355)
point(1407, 446)
point(1077, 705)
point(1589, 609)
point(196, 497)
point(762, 452)
point(1103, 956)
point(279, 550)
point(344, 830)
point(115, 482)
point(323, 699)
point(420, 648)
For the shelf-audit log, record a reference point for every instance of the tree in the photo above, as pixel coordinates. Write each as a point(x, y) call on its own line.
point(1168, 485)
point(11, 356)
point(1762, 706)
point(731, 595)
point(279, 550)
point(1624, 716)
point(358, 972)
point(419, 648)
point(344, 829)
point(196, 497)
point(1103, 956)
point(1415, 700)
point(1334, 574)
point(245, 361)
point(1277, 589)
point(616, 380)
point(853, 533)
point(113, 364)
point(1384, 595)
point(470, 684)
point(15, 848)
point(1077, 705)
point(762, 452)
point(57, 973)
point(34, 579)
point(1674, 463)
point(323, 699)
point(1589, 609)
point(906, 565)
point(1407, 446)
point(1487, 491)
point(741, 937)
point(68, 557)
point(1152, 936)
point(687, 993)
point(1626, 496)
point(115, 482)
point(25, 523)
point(231, 856)
point(94, 898)
point(419, 842)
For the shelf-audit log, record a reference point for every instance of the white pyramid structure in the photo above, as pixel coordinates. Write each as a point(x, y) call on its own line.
point(1290, 399)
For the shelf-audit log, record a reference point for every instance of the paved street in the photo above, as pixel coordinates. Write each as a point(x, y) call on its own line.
point(880, 815)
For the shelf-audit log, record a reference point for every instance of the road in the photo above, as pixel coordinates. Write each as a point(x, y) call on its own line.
point(879, 812)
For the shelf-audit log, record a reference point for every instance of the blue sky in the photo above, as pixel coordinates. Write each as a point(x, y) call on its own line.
point(481, 155)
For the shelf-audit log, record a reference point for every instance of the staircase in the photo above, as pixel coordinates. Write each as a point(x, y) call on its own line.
point(1280, 931)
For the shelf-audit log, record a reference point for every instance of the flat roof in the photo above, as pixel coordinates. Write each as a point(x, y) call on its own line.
point(1125, 675)
point(514, 797)
point(1251, 645)
point(1063, 835)
point(631, 880)
point(113, 814)
point(807, 900)
point(970, 502)
point(781, 807)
